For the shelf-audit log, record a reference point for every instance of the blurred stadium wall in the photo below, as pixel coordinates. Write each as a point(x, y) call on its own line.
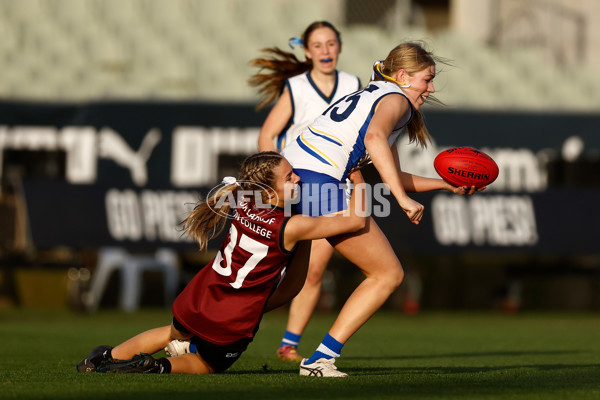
point(507, 53)
point(115, 114)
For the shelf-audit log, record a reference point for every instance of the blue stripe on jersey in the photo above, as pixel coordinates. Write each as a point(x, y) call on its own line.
point(281, 140)
point(311, 152)
point(287, 83)
point(359, 149)
point(283, 134)
point(324, 137)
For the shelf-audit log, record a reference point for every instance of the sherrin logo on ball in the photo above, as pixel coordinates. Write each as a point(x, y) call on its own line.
point(466, 166)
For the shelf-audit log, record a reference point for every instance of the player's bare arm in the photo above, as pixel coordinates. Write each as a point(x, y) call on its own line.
point(387, 114)
point(303, 227)
point(416, 183)
point(275, 122)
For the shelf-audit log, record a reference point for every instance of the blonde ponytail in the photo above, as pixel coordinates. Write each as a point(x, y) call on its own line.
point(206, 221)
point(208, 218)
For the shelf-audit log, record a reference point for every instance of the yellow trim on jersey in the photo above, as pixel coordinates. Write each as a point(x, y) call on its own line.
point(317, 150)
point(326, 134)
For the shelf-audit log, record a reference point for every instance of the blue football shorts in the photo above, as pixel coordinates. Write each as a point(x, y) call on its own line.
point(320, 194)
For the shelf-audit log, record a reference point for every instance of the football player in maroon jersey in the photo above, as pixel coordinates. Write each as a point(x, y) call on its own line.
point(220, 309)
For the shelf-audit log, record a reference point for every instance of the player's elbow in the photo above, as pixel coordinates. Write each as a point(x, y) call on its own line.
point(374, 136)
point(370, 137)
point(374, 142)
point(265, 143)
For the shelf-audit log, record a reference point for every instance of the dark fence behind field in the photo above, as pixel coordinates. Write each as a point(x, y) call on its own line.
point(102, 174)
point(123, 174)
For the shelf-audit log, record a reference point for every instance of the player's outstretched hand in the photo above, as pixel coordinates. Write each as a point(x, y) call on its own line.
point(461, 190)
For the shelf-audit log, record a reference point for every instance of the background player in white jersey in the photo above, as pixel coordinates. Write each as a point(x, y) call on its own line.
point(221, 307)
point(366, 124)
point(305, 89)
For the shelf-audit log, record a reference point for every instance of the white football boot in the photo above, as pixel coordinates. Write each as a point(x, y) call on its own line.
point(322, 368)
point(177, 347)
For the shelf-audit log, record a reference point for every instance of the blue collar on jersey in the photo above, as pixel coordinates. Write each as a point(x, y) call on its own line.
point(319, 92)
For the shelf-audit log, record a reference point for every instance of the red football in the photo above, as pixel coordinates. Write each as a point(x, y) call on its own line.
point(466, 166)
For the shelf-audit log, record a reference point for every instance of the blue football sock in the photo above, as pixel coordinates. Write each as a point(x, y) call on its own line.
point(291, 339)
point(193, 348)
point(329, 348)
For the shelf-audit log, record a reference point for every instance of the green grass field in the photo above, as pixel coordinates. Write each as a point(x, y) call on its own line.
point(432, 355)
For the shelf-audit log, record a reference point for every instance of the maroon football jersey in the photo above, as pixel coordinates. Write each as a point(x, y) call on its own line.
point(225, 301)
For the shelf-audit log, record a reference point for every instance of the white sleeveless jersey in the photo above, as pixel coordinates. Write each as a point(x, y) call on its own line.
point(308, 101)
point(334, 143)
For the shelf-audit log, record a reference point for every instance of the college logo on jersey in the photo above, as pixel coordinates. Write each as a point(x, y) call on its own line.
point(221, 199)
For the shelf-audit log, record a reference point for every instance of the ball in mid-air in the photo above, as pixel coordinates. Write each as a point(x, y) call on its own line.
point(466, 166)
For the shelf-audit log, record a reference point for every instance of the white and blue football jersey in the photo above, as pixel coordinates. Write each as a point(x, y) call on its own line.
point(334, 143)
point(308, 101)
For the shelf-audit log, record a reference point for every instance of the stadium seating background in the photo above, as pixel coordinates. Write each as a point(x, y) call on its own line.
point(199, 49)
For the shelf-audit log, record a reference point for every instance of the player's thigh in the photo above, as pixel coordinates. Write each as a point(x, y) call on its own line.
point(179, 334)
point(370, 250)
point(320, 254)
point(298, 265)
point(190, 363)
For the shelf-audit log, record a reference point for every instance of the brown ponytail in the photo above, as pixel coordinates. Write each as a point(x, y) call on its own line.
point(206, 220)
point(283, 64)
